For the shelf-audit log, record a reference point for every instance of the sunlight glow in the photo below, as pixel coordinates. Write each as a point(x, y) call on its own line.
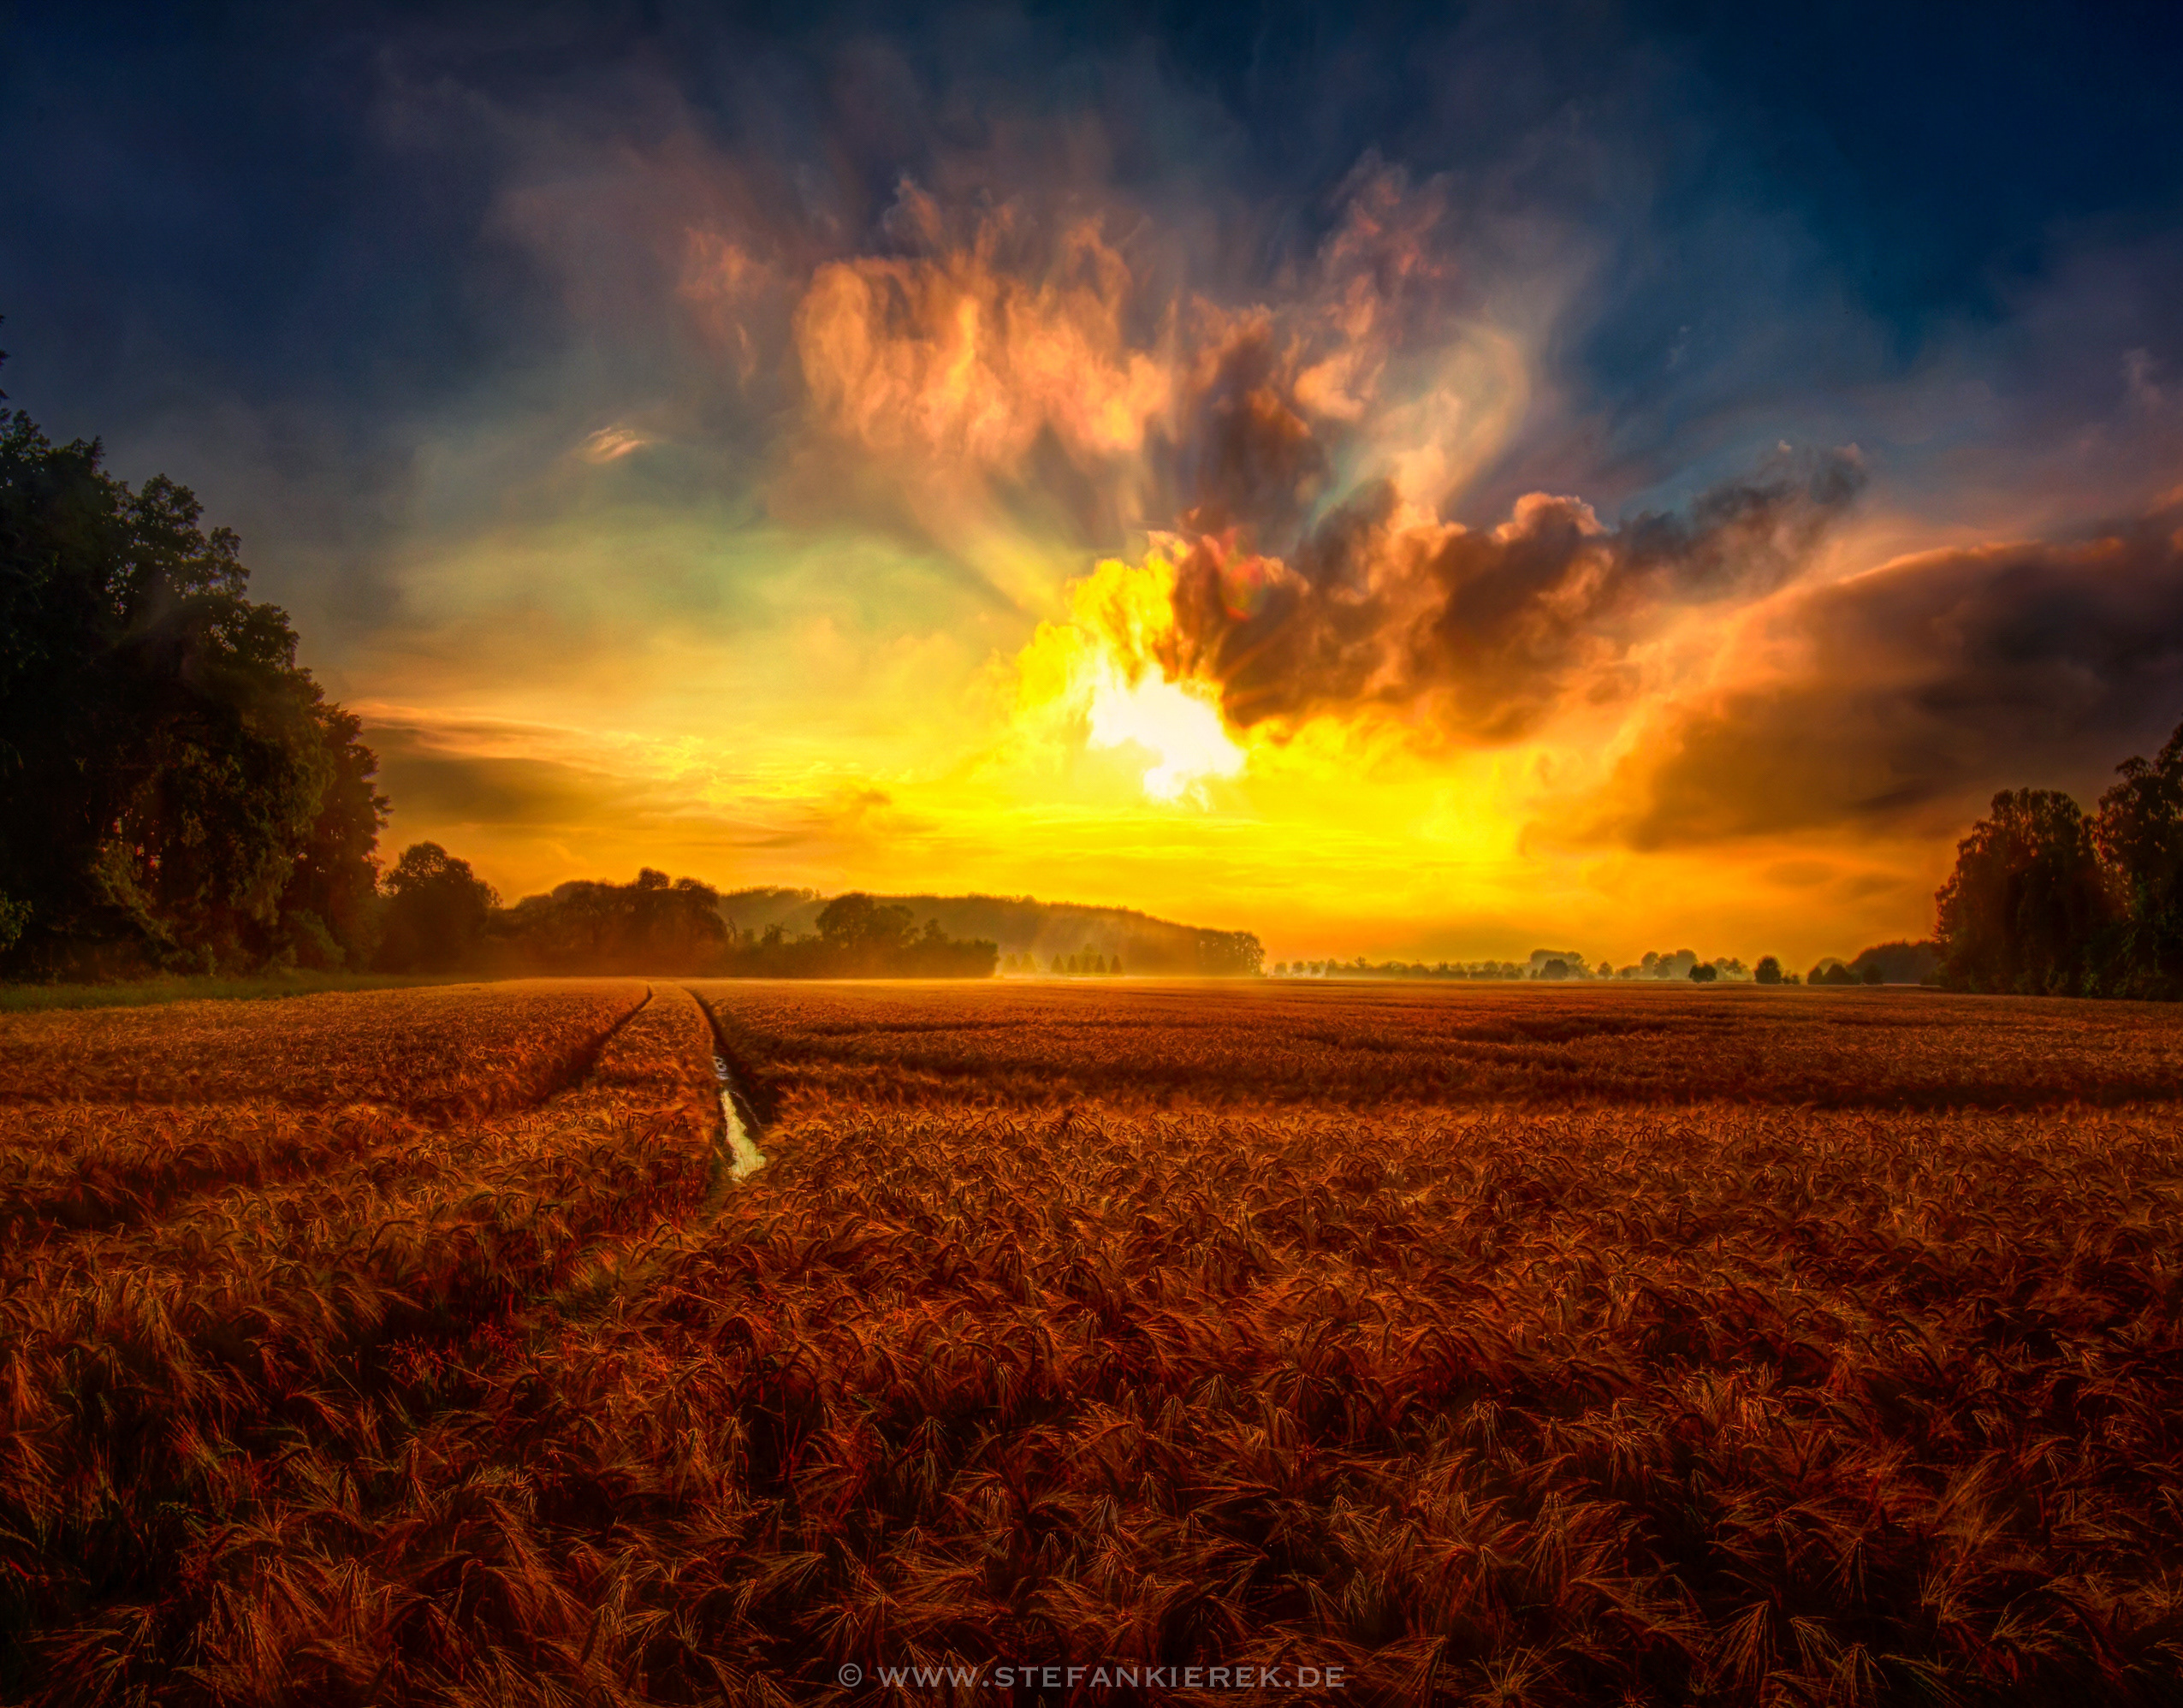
point(1182, 731)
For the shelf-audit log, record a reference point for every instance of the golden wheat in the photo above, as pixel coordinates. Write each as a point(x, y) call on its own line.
point(1740, 1348)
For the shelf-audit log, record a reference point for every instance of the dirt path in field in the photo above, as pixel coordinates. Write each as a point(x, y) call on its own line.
point(745, 1158)
point(739, 1116)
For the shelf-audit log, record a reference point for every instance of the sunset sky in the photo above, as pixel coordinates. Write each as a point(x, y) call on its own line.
point(1434, 484)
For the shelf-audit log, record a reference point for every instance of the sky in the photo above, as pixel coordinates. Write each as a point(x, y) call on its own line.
point(1430, 482)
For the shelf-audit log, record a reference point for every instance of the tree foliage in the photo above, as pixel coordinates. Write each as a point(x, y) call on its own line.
point(436, 911)
point(654, 925)
point(2139, 832)
point(862, 937)
point(2045, 899)
point(178, 791)
point(2027, 898)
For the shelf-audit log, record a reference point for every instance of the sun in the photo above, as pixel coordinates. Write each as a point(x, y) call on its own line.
point(1182, 730)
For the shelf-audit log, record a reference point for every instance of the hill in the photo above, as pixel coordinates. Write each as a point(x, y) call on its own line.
point(1023, 925)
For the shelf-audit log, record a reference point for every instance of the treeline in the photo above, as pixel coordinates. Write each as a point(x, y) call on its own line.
point(1034, 935)
point(1550, 964)
point(178, 795)
point(2047, 899)
point(1085, 963)
point(861, 937)
point(175, 791)
point(1361, 968)
point(1897, 963)
point(442, 918)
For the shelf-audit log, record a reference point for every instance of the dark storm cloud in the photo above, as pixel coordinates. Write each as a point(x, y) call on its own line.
point(1480, 634)
point(1925, 686)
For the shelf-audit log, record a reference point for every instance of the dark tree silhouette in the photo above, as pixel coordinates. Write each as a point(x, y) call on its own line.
point(174, 789)
point(2138, 831)
point(330, 907)
point(1768, 971)
point(657, 924)
point(2027, 900)
point(855, 926)
point(435, 913)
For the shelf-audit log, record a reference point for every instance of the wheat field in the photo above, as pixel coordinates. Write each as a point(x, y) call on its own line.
point(1557, 1346)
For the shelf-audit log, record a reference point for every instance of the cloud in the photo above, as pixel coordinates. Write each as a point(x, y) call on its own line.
point(611, 444)
point(433, 779)
point(1918, 688)
point(536, 805)
point(1480, 635)
point(1060, 364)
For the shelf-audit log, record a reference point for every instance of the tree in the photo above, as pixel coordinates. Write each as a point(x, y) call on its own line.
point(1230, 954)
point(1769, 970)
point(1900, 962)
point(2139, 832)
point(1703, 973)
point(1554, 967)
point(653, 925)
point(2027, 898)
point(174, 788)
point(330, 907)
point(436, 910)
point(862, 929)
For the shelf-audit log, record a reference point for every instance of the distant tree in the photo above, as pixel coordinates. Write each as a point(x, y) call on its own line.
point(857, 927)
point(437, 910)
point(2139, 832)
point(1554, 967)
point(1769, 970)
point(1606, 970)
point(2026, 900)
point(1702, 973)
point(655, 924)
point(1229, 954)
point(1900, 962)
